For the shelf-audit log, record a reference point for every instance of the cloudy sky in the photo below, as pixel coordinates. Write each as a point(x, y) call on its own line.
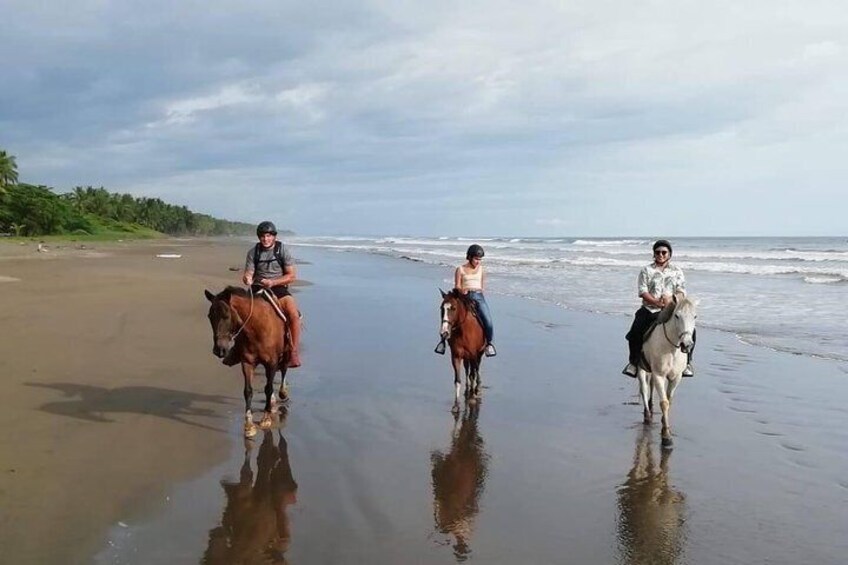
point(592, 118)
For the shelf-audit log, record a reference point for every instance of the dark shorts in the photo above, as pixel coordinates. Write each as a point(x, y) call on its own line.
point(278, 291)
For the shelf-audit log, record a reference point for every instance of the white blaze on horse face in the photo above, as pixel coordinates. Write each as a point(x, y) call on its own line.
point(445, 327)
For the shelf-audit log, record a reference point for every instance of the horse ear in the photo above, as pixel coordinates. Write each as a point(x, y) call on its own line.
point(209, 296)
point(666, 313)
point(443, 293)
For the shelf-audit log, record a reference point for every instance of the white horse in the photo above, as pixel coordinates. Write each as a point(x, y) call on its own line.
point(666, 350)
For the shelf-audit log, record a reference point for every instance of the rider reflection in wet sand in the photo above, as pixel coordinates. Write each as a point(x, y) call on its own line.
point(651, 513)
point(255, 526)
point(459, 477)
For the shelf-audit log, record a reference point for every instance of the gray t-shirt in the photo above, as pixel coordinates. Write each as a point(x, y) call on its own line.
point(268, 267)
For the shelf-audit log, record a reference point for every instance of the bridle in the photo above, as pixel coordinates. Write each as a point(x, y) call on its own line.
point(250, 313)
point(447, 327)
point(679, 344)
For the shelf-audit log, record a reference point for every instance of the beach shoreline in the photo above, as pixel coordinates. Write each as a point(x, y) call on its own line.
point(557, 430)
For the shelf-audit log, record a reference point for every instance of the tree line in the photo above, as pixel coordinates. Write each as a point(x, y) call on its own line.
point(32, 210)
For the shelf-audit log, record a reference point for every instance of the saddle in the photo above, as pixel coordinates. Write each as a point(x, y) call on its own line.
point(662, 317)
point(272, 300)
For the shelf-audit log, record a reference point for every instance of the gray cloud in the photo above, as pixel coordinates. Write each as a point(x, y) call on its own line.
point(482, 118)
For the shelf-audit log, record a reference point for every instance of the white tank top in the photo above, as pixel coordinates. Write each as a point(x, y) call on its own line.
point(471, 281)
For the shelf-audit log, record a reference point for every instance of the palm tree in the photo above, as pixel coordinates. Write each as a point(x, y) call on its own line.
point(8, 171)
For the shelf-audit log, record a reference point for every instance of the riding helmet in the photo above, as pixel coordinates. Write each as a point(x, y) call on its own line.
point(475, 251)
point(266, 227)
point(663, 243)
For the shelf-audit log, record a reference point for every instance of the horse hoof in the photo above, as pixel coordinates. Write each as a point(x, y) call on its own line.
point(284, 396)
point(249, 431)
point(667, 443)
point(266, 423)
point(647, 421)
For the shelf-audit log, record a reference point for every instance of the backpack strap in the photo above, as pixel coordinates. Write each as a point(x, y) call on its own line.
point(278, 255)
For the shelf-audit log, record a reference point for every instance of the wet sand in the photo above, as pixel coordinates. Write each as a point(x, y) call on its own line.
point(368, 464)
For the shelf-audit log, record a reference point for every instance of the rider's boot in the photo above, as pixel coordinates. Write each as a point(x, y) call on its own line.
point(689, 371)
point(490, 350)
point(440, 348)
point(294, 324)
point(630, 370)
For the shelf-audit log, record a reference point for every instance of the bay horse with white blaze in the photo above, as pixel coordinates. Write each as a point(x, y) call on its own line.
point(247, 330)
point(466, 339)
point(665, 351)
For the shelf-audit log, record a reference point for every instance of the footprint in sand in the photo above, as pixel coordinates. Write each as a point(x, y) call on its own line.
point(8, 279)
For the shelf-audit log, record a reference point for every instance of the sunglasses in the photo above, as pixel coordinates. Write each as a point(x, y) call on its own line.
point(660, 252)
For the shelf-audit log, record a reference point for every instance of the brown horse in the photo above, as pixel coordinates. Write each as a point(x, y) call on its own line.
point(247, 330)
point(459, 477)
point(255, 525)
point(466, 339)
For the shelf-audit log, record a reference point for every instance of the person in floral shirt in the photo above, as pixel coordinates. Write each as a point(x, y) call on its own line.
point(658, 282)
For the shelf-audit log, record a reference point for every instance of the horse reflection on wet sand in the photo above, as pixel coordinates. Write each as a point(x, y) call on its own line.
point(255, 525)
point(459, 478)
point(651, 514)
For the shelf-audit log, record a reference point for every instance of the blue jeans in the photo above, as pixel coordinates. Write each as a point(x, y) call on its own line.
point(484, 314)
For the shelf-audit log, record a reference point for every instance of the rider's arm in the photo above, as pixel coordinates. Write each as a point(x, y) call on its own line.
point(482, 279)
point(247, 277)
point(649, 298)
point(289, 276)
point(457, 279)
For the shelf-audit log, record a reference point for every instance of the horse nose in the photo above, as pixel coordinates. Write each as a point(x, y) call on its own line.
point(219, 351)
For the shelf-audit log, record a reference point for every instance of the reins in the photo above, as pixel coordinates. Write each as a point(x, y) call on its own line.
point(250, 313)
point(678, 345)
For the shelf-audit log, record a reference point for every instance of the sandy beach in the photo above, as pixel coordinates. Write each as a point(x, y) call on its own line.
point(120, 439)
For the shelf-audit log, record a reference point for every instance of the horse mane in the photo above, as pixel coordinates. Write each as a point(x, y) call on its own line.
point(463, 298)
point(232, 291)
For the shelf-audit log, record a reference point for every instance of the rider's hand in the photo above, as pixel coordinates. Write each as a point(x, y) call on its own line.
point(266, 283)
point(247, 280)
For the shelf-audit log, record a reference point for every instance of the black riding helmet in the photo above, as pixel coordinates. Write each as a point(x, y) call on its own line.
point(475, 251)
point(266, 227)
point(663, 243)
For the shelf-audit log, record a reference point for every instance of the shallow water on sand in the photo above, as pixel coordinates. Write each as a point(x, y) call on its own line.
point(368, 463)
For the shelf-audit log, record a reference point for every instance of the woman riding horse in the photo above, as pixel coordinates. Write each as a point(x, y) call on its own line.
point(470, 280)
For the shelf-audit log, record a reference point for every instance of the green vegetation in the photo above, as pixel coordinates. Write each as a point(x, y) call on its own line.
point(28, 210)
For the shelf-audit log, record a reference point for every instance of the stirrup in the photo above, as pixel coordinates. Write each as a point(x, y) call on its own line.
point(630, 370)
point(491, 351)
point(440, 348)
point(689, 371)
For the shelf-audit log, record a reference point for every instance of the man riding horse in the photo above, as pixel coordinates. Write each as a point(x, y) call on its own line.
point(270, 266)
point(658, 282)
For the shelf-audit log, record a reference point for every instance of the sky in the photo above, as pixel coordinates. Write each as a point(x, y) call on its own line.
point(584, 118)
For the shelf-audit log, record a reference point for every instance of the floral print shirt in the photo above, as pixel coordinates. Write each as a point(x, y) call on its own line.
point(660, 282)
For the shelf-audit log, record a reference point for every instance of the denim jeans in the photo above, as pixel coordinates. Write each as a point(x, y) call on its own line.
point(485, 315)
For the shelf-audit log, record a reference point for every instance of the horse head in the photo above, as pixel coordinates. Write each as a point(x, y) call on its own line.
point(225, 322)
point(681, 313)
point(452, 310)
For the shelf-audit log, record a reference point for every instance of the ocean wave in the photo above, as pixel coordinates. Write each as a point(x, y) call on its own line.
point(610, 242)
point(825, 280)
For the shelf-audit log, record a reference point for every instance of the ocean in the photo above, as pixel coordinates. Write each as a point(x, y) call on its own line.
point(785, 293)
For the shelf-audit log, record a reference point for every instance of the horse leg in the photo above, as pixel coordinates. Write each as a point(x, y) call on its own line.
point(645, 392)
point(660, 382)
point(247, 372)
point(457, 381)
point(284, 388)
point(477, 384)
point(267, 422)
